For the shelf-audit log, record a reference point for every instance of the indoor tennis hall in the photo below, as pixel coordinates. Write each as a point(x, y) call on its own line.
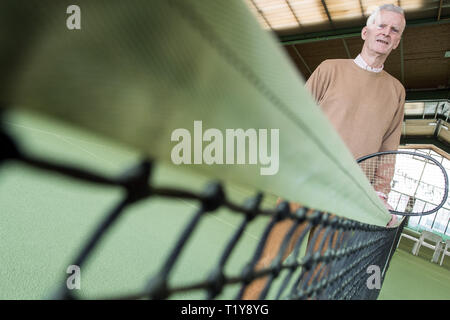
point(119, 179)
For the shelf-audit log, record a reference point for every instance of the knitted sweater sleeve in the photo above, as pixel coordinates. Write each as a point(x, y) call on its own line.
point(391, 139)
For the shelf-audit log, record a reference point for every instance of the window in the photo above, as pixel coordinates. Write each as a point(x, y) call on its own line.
point(437, 222)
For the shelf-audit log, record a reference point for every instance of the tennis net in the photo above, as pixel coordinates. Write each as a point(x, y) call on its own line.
point(338, 263)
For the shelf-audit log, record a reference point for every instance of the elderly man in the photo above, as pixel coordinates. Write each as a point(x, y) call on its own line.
point(363, 103)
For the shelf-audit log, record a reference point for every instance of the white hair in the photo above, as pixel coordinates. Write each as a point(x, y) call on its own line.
point(386, 7)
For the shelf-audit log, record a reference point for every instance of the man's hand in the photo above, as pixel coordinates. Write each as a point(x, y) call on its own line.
point(394, 220)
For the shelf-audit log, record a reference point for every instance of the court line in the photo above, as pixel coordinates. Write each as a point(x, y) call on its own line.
point(65, 139)
point(56, 134)
point(223, 221)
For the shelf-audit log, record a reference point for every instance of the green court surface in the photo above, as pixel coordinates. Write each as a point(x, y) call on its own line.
point(46, 218)
point(161, 73)
point(412, 277)
point(176, 63)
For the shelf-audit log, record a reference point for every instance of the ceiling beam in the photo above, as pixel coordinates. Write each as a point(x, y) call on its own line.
point(405, 140)
point(293, 13)
point(402, 63)
point(320, 36)
point(349, 32)
point(363, 16)
point(439, 11)
point(302, 60)
point(262, 15)
point(426, 146)
point(424, 95)
point(346, 48)
point(324, 5)
point(437, 129)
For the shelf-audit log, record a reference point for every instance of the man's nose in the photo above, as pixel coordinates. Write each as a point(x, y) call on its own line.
point(387, 30)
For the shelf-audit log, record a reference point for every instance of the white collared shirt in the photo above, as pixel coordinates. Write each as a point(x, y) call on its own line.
point(361, 63)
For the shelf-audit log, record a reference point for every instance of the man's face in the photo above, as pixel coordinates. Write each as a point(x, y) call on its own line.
point(384, 35)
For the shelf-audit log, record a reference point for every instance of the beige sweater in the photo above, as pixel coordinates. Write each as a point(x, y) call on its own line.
point(366, 108)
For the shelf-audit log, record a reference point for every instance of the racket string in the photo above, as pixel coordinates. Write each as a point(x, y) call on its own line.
point(411, 183)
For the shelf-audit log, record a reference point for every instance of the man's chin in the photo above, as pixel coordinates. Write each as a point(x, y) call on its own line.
point(383, 52)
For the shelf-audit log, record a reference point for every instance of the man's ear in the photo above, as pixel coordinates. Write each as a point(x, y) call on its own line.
point(364, 33)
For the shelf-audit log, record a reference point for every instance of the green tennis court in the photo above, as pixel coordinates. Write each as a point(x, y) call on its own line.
point(47, 218)
point(73, 102)
point(415, 277)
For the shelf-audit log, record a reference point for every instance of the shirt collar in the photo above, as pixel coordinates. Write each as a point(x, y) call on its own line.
point(362, 64)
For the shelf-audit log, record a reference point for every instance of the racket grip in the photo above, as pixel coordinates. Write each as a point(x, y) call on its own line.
point(382, 195)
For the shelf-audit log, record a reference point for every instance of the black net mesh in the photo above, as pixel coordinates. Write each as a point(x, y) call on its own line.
point(337, 264)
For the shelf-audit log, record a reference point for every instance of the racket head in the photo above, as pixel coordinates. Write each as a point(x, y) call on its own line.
point(415, 184)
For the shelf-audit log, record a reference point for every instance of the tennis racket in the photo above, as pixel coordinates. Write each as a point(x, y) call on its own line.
point(413, 184)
